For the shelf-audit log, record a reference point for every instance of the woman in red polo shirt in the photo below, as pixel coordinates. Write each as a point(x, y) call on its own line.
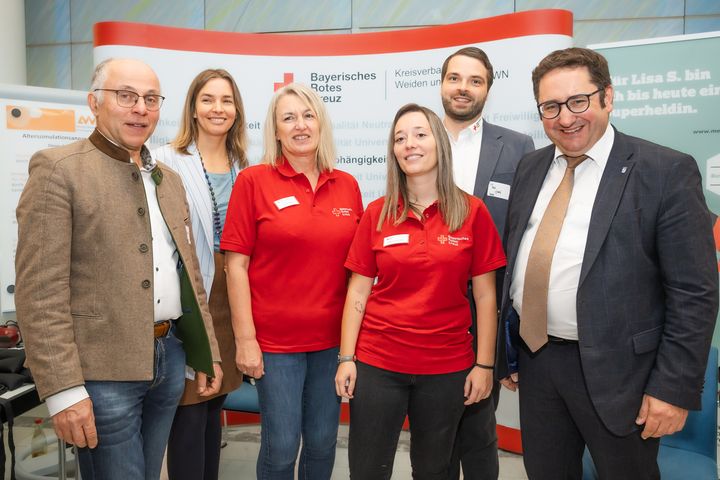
point(405, 348)
point(289, 226)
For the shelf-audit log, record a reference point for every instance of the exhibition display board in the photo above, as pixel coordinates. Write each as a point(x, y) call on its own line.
point(667, 90)
point(34, 118)
point(363, 78)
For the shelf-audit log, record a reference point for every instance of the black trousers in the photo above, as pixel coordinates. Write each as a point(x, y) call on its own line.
point(433, 404)
point(476, 441)
point(193, 451)
point(557, 420)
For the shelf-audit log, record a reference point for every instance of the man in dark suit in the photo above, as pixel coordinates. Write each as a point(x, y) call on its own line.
point(611, 290)
point(484, 160)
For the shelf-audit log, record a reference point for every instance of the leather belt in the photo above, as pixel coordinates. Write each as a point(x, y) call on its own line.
point(561, 341)
point(162, 328)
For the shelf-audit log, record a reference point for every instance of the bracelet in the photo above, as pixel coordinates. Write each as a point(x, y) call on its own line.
point(345, 358)
point(484, 367)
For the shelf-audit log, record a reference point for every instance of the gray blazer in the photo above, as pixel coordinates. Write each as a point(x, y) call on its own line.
point(84, 294)
point(648, 292)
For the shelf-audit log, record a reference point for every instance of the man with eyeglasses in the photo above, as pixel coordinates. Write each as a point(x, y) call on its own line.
point(611, 290)
point(485, 157)
point(107, 280)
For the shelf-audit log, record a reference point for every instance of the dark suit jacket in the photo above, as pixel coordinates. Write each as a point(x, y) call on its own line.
point(500, 152)
point(648, 292)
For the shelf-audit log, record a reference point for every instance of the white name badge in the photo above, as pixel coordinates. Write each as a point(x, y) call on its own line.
point(400, 239)
point(286, 202)
point(499, 190)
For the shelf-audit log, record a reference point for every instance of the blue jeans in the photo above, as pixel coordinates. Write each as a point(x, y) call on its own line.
point(297, 399)
point(133, 419)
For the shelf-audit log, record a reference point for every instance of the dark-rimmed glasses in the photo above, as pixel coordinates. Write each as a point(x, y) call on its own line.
point(128, 99)
point(576, 104)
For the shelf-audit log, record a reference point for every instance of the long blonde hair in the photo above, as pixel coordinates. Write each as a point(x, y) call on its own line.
point(325, 156)
point(236, 141)
point(452, 201)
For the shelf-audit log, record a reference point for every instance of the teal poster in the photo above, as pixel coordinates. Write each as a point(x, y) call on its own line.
point(668, 91)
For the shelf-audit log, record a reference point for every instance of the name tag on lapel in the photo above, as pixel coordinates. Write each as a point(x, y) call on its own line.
point(286, 202)
point(499, 190)
point(400, 239)
point(187, 233)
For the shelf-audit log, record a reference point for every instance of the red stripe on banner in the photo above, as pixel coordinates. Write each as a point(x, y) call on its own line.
point(533, 22)
point(509, 439)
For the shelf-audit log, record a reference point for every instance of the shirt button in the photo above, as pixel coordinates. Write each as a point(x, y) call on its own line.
point(146, 284)
point(307, 190)
point(427, 215)
point(141, 211)
point(135, 176)
point(143, 248)
point(157, 269)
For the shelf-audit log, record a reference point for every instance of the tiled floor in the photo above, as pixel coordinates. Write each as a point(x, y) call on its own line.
point(237, 460)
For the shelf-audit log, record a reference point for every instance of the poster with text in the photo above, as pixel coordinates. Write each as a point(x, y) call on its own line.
point(29, 126)
point(667, 91)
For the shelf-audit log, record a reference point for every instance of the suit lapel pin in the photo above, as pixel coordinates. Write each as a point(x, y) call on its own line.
point(624, 169)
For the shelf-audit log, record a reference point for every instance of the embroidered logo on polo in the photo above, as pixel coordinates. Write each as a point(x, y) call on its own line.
point(451, 240)
point(342, 212)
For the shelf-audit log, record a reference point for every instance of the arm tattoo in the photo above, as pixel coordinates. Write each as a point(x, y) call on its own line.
point(359, 307)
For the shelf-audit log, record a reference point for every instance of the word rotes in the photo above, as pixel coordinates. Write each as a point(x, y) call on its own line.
point(333, 83)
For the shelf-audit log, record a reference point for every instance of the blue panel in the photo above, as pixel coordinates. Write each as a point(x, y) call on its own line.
point(411, 13)
point(47, 21)
point(49, 66)
point(82, 66)
point(176, 13)
point(702, 24)
point(602, 9)
point(278, 15)
point(702, 7)
point(604, 32)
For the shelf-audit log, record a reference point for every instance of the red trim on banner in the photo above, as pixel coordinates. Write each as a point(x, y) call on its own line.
point(533, 22)
point(509, 439)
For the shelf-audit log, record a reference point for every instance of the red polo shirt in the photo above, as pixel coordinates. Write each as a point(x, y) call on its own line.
point(297, 241)
point(417, 316)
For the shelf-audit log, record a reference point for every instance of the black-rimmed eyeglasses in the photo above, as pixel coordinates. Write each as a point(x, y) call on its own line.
point(128, 99)
point(576, 104)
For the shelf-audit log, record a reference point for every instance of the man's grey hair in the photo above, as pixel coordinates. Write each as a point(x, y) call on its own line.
point(99, 77)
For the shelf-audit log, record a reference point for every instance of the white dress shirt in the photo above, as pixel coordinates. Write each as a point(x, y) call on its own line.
point(466, 155)
point(570, 248)
point(166, 285)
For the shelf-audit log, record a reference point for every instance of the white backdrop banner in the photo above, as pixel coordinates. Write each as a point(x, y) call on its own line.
point(363, 78)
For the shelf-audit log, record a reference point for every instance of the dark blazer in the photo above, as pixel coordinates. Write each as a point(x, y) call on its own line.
point(500, 152)
point(648, 292)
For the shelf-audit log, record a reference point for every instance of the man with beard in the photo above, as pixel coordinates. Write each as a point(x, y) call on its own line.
point(484, 160)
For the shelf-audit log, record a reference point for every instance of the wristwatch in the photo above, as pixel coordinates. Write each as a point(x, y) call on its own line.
point(345, 358)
